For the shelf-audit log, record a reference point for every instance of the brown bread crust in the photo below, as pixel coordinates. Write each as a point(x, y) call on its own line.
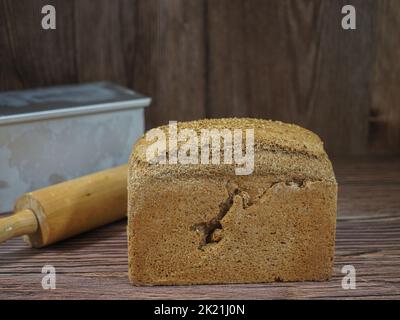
point(198, 224)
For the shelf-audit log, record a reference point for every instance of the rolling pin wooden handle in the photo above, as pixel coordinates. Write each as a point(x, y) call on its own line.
point(72, 207)
point(20, 223)
point(63, 210)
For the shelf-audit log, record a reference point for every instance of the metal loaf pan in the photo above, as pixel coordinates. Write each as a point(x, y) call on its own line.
point(54, 134)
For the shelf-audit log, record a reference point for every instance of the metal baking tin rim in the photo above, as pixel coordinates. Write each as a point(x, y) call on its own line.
point(68, 112)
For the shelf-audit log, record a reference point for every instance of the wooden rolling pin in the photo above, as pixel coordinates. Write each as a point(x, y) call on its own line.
point(69, 208)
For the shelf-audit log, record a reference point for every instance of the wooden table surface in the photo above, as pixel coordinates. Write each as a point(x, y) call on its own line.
point(94, 265)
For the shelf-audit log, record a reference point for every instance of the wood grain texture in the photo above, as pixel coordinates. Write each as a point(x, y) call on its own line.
point(94, 265)
point(384, 120)
point(178, 62)
point(292, 61)
point(37, 57)
point(98, 42)
point(285, 60)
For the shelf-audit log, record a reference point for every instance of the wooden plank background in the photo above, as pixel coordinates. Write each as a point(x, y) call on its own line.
point(288, 60)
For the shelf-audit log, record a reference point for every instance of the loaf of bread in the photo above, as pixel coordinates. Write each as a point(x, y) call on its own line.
point(206, 224)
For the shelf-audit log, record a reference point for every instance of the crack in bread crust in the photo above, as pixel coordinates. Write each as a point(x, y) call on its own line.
point(209, 230)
